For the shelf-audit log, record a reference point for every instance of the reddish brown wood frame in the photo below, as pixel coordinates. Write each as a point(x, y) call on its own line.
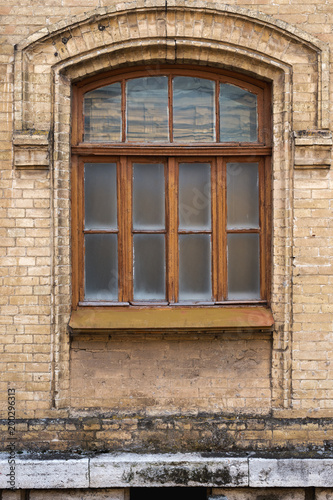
point(217, 154)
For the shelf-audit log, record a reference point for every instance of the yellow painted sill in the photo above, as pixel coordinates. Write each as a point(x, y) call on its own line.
point(87, 320)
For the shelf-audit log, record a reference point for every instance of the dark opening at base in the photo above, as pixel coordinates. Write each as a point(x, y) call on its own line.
point(168, 493)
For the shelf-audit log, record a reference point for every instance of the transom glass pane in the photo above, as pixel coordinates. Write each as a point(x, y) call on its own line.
point(101, 267)
point(195, 267)
point(100, 195)
point(238, 114)
point(193, 109)
point(194, 196)
point(102, 114)
point(147, 109)
point(148, 196)
point(242, 195)
point(243, 267)
point(149, 266)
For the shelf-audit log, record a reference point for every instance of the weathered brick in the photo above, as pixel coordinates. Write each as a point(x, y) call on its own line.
point(241, 374)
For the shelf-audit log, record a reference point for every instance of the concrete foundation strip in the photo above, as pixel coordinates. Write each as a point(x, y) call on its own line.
point(164, 470)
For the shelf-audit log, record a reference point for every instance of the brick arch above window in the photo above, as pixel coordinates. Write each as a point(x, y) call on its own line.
point(122, 34)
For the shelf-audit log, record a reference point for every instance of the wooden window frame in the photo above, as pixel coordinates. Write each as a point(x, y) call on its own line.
point(218, 154)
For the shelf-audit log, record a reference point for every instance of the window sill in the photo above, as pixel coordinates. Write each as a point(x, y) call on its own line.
point(133, 319)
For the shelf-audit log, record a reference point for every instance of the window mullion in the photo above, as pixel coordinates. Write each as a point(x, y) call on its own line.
point(267, 227)
point(123, 111)
point(129, 226)
point(214, 232)
point(221, 228)
point(120, 223)
point(77, 248)
point(125, 225)
point(81, 229)
point(217, 111)
point(262, 244)
point(170, 102)
point(172, 229)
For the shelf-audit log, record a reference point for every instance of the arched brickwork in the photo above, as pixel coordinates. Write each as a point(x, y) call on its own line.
point(82, 41)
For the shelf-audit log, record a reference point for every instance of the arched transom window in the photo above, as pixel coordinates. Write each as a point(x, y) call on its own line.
point(171, 189)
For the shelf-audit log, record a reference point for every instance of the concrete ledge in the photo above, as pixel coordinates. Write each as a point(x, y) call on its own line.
point(41, 474)
point(162, 470)
point(31, 150)
point(312, 149)
point(313, 138)
point(293, 472)
point(167, 470)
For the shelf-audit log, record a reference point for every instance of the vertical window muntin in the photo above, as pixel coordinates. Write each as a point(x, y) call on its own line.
point(219, 291)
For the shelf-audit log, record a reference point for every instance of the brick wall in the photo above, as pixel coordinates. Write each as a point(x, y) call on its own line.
point(159, 375)
point(287, 375)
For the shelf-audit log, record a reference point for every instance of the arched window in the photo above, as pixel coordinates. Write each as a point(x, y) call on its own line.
point(171, 188)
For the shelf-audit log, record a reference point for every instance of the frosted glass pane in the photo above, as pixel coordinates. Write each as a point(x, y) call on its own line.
point(101, 267)
point(194, 196)
point(193, 109)
point(147, 109)
point(238, 114)
point(102, 114)
point(242, 195)
point(195, 267)
point(148, 196)
point(243, 267)
point(149, 266)
point(100, 195)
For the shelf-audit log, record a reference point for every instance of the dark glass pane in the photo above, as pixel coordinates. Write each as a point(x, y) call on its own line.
point(243, 267)
point(194, 196)
point(238, 114)
point(147, 109)
point(193, 109)
point(149, 266)
point(195, 267)
point(148, 196)
point(100, 195)
point(242, 195)
point(101, 267)
point(102, 114)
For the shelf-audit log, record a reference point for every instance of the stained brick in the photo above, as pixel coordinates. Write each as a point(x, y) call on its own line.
point(239, 373)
